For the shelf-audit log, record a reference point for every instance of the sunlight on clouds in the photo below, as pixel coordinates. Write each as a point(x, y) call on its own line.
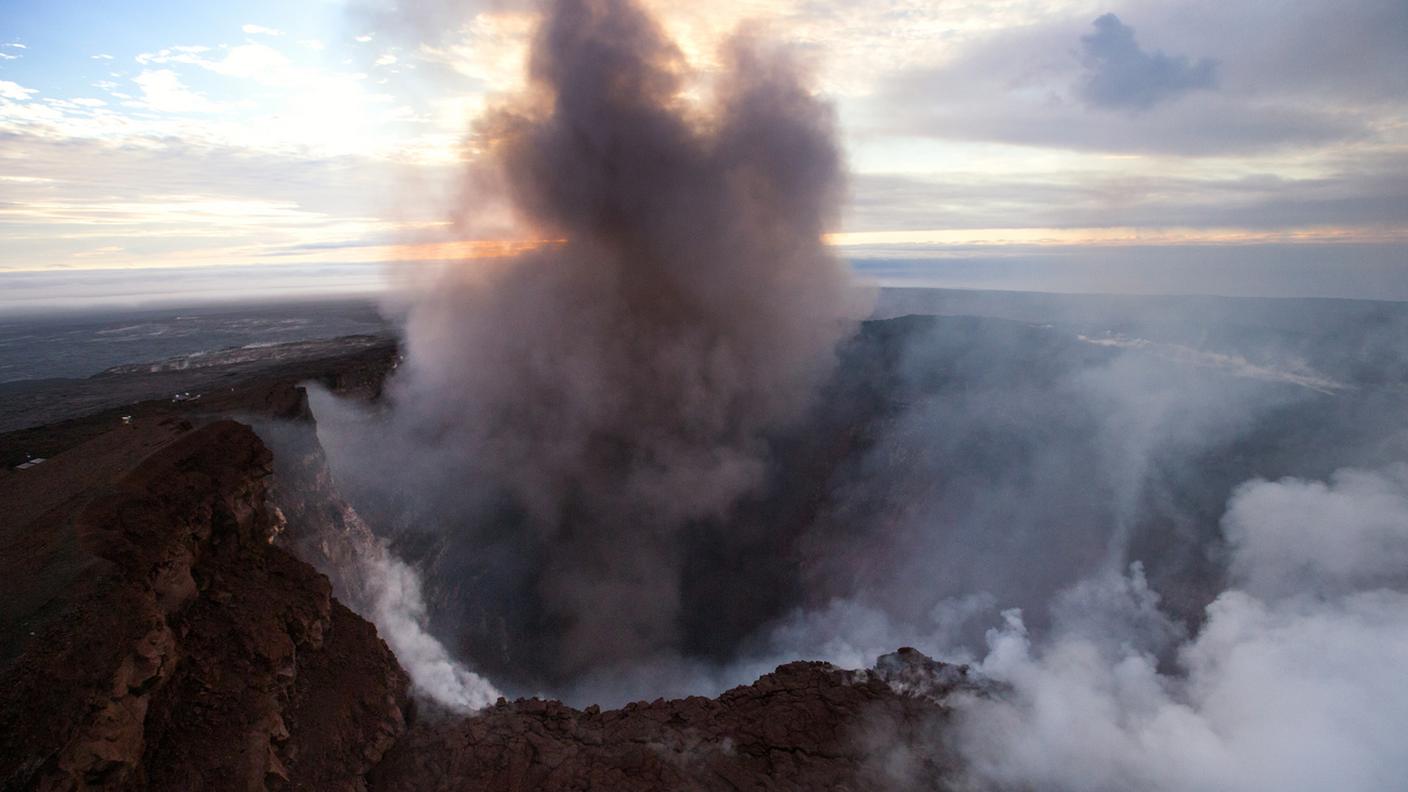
point(178, 231)
point(253, 61)
point(260, 30)
point(184, 53)
point(854, 45)
point(211, 212)
point(15, 92)
point(163, 91)
point(269, 100)
point(193, 150)
point(493, 50)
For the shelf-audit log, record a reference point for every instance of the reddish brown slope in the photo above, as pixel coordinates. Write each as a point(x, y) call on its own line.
point(187, 652)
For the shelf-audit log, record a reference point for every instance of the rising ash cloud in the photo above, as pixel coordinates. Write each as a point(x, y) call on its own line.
point(586, 409)
point(660, 455)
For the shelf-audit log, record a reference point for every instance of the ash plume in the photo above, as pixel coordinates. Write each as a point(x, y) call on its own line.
point(591, 401)
point(627, 467)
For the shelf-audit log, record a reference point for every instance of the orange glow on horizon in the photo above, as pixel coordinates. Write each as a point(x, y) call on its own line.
point(467, 249)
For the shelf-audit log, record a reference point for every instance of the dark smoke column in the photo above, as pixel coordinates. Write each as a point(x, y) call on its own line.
point(617, 386)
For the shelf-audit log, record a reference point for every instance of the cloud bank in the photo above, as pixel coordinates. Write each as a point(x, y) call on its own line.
point(1292, 683)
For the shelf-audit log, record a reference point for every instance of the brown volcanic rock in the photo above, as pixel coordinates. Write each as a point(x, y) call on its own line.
point(185, 651)
point(806, 726)
point(320, 527)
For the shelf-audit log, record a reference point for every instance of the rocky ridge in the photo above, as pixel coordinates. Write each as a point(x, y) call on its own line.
point(805, 726)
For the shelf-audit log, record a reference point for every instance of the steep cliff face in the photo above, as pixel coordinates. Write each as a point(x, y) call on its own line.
point(188, 652)
point(319, 526)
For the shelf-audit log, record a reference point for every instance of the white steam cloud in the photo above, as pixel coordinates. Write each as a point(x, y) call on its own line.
point(1294, 682)
point(1350, 534)
point(396, 606)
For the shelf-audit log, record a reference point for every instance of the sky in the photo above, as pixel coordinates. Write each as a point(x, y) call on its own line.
point(151, 149)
